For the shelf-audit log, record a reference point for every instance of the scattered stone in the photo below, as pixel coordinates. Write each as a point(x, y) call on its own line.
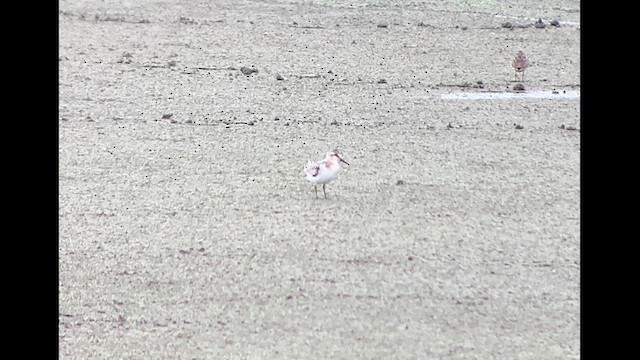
point(519, 87)
point(570, 128)
point(399, 182)
point(382, 25)
point(382, 81)
point(540, 24)
point(555, 23)
point(251, 123)
point(248, 71)
point(186, 20)
point(410, 258)
point(449, 126)
point(421, 24)
point(507, 25)
point(127, 55)
point(174, 121)
point(480, 84)
point(464, 28)
point(89, 119)
point(555, 92)
point(171, 63)
point(334, 123)
point(279, 77)
point(189, 121)
point(276, 118)
point(167, 116)
point(519, 127)
point(64, 119)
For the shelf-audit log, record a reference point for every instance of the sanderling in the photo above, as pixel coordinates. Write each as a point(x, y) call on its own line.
point(324, 171)
point(520, 64)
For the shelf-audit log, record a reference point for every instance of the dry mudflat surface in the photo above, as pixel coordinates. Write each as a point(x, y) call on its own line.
point(187, 229)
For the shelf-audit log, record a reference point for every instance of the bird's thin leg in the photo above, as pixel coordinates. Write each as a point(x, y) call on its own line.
point(315, 187)
point(324, 191)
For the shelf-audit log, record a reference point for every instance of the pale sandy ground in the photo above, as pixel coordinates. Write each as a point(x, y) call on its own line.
point(199, 239)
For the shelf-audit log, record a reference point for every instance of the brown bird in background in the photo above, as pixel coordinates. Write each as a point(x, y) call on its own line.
point(520, 64)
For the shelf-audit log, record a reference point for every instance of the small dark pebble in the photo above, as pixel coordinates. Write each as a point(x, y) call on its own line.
point(507, 25)
point(167, 116)
point(172, 63)
point(519, 87)
point(382, 25)
point(382, 81)
point(248, 71)
point(289, 297)
point(449, 126)
point(279, 77)
point(571, 128)
point(555, 23)
point(555, 92)
point(410, 258)
point(251, 123)
point(561, 126)
point(334, 123)
point(539, 24)
point(399, 182)
point(464, 28)
point(174, 121)
point(519, 127)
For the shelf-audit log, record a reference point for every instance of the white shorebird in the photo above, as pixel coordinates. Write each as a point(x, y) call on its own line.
point(324, 171)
